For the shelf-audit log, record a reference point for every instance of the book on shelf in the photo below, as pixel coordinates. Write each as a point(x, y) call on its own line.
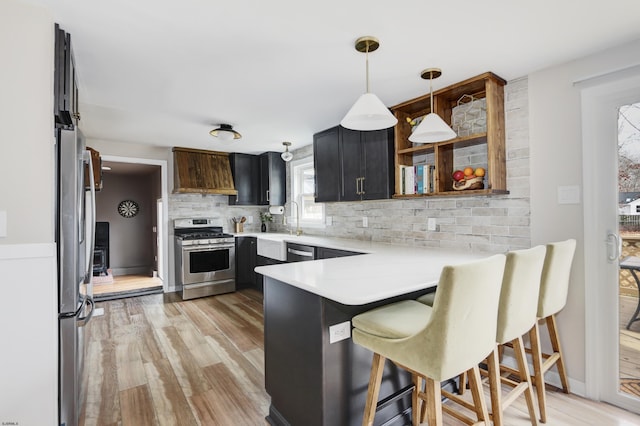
point(418, 179)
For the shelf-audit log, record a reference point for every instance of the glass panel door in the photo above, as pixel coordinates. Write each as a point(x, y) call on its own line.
point(629, 231)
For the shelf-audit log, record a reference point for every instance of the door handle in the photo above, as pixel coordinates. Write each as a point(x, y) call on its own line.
point(614, 247)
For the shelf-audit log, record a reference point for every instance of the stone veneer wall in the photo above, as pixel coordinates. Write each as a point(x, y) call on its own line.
point(489, 223)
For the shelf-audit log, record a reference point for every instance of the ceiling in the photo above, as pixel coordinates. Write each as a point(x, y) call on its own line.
point(164, 72)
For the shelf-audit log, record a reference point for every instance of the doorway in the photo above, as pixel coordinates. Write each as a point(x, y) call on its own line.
point(602, 99)
point(137, 241)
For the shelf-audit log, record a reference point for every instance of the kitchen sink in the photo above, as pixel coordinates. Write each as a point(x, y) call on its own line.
point(272, 248)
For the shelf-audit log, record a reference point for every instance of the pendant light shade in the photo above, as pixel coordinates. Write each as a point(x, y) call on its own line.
point(225, 133)
point(432, 128)
point(368, 113)
point(286, 155)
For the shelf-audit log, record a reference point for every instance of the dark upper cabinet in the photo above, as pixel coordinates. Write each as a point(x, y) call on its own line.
point(273, 174)
point(326, 160)
point(377, 164)
point(245, 169)
point(65, 88)
point(352, 165)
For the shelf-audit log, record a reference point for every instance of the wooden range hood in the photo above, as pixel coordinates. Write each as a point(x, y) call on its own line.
point(203, 172)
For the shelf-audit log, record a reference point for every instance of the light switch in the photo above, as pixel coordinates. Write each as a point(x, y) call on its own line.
point(3, 223)
point(328, 220)
point(365, 221)
point(339, 332)
point(569, 194)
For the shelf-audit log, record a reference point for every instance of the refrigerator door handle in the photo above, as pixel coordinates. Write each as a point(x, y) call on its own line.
point(92, 221)
point(83, 320)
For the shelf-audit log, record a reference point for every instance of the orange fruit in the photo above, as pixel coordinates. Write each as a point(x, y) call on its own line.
point(479, 172)
point(468, 171)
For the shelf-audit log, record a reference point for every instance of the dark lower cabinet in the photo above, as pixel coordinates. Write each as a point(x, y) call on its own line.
point(246, 261)
point(330, 253)
point(352, 165)
point(313, 382)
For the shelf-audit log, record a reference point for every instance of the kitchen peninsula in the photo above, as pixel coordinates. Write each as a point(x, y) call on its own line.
point(314, 374)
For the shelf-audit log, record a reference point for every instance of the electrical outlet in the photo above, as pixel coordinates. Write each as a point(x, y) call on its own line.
point(365, 221)
point(249, 220)
point(328, 220)
point(431, 224)
point(340, 332)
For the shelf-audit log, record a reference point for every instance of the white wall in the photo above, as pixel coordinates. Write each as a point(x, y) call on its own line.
point(26, 122)
point(28, 319)
point(556, 160)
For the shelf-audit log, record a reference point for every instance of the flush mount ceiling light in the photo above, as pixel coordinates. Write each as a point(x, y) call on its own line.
point(225, 133)
point(432, 128)
point(286, 155)
point(368, 113)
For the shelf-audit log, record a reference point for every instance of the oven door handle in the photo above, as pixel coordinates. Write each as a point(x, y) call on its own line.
point(208, 247)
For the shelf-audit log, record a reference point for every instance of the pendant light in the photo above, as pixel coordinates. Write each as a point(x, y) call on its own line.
point(432, 128)
point(225, 133)
point(368, 113)
point(286, 155)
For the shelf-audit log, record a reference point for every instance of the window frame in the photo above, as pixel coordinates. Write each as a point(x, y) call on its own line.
point(297, 168)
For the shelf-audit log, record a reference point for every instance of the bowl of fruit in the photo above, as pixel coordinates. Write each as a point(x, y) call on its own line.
point(468, 179)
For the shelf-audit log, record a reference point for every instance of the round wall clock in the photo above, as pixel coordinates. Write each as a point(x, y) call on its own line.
point(128, 208)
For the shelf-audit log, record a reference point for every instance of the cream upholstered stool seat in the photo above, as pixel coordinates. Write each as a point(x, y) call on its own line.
point(516, 316)
point(436, 343)
point(554, 288)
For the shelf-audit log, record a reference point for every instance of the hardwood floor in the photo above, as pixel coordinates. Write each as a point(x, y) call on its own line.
point(158, 360)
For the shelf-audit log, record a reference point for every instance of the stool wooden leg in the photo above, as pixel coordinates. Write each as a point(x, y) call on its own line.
point(523, 368)
point(475, 385)
point(538, 378)
point(377, 367)
point(415, 400)
point(433, 402)
point(462, 383)
point(555, 344)
point(493, 368)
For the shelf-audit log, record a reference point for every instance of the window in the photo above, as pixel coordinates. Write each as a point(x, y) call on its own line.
point(303, 189)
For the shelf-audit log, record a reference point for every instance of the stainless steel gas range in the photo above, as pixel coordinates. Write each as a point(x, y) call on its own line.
point(205, 258)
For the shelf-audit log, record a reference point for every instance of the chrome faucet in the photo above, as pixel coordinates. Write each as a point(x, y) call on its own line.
point(298, 230)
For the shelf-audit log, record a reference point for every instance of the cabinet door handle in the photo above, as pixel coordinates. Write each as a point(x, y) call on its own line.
point(267, 195)
point(357, 186)
point(362, 186)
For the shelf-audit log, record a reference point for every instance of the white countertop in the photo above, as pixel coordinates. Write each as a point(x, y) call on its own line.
point(384, 270)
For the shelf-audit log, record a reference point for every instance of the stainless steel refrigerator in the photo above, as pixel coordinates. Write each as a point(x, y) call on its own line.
point(75, 234)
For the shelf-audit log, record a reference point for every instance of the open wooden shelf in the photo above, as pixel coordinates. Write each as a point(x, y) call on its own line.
point(443, 154)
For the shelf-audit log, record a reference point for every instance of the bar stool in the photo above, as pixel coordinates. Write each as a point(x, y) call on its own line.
point(554, 288)
point(436, 343)
point(516, 316)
